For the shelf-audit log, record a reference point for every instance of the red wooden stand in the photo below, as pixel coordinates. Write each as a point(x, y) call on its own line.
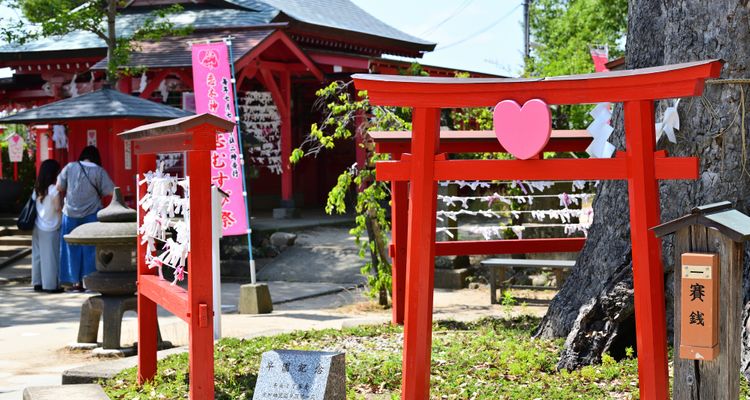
point(641, 165)
point(196, 136)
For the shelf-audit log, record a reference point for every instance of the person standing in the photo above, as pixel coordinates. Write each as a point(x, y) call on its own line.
point(84, 183)
point(45, 238)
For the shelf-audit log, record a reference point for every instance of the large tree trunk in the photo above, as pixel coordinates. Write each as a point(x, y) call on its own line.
point(594, 309)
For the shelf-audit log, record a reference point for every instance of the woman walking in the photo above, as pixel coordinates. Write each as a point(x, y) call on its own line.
point(45, 238)
point(84, 183)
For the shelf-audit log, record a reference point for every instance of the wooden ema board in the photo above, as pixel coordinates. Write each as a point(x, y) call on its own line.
point(641, 165)
point(196, 136)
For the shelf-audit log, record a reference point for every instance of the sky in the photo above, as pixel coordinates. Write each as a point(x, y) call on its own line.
point(475, 35)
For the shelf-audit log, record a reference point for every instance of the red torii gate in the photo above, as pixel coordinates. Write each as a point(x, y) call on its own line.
point(640, 164)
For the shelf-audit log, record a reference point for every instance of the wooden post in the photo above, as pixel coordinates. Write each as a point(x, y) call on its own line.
point(718, 379)
point(200, 290)
point(399, 216)
point(420, 256)
point(147, 319)
point(648, 274)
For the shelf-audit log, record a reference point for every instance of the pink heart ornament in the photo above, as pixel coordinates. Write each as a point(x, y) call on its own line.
point(523, 131)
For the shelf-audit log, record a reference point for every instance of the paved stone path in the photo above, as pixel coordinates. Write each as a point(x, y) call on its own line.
point(36, 327)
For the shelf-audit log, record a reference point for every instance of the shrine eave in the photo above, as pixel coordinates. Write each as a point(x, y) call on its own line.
point(100, 104)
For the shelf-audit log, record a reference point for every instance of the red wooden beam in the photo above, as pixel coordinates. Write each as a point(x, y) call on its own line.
point(361, 63)
point(477, 141)
point(420, 257)
point(679, 80)
point(154, 83)
point(185, 77)
point(200, 288)
point(648, 274)
point(509, 246)
point(549, 169)
point(269, 81)
point(246, 73)
point(147, 319)
point(172, 297)
point(278, 36)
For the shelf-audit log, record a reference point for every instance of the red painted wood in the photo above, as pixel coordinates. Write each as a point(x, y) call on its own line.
point(147, 322)
point(194, 306)
point(549, 169)
point(154, 83)
point(399, 218)
point(173, 143)
point(679, 80)
point(509, 246)
point(200, 290)
point(648, 275)
point(420, 256)
point(478, 142)
point(172, 297)
point(287, 193)
point(279, 37)
point(641, 166)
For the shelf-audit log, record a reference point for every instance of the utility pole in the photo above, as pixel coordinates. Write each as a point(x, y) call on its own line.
point(526, 34)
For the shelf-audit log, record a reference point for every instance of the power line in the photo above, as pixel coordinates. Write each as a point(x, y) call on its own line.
point(457, 11)
point(481, 31)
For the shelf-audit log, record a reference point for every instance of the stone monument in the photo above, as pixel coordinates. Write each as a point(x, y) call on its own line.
point(301, 375)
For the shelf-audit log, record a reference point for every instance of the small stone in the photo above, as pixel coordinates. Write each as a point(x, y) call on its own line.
point(283, 239)
point(539, 280)
point(475, 285)
point(255, 298)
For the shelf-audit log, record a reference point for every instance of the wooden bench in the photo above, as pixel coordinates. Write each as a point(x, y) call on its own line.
point(497, 267)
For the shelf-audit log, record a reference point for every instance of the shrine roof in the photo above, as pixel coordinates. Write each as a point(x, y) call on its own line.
point(177, 125)
point(339, 15)
point(720, 216)
point(175, 51)
point(104, 103)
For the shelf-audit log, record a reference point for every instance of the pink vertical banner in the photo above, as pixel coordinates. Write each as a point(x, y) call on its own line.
point(212, 83)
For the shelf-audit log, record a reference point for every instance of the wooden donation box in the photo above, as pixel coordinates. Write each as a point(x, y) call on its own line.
point(699, 305)
point(708, 250)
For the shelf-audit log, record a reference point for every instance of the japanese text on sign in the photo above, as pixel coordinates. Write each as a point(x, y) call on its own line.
point(213, 94)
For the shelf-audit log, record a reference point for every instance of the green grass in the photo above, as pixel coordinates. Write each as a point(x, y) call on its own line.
point(487, 359)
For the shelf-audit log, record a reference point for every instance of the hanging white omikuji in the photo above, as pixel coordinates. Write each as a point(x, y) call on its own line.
point(162, 205)
point(261, 119)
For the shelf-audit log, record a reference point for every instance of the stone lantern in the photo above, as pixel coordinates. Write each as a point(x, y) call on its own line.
point(114, 235)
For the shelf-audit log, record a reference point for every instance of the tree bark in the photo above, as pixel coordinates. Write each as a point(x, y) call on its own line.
point(594, 308)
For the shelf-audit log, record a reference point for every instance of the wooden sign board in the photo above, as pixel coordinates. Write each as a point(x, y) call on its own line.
point(699, 306)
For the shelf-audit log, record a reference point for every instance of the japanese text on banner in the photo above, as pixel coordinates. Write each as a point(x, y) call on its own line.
point(212, 81)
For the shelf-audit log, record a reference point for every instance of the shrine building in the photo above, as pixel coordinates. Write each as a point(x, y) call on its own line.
point(283, 51)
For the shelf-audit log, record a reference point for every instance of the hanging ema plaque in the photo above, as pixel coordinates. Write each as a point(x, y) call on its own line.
point(301, 375)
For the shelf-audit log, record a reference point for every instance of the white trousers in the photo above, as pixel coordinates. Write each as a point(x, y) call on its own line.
point(45, 258)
